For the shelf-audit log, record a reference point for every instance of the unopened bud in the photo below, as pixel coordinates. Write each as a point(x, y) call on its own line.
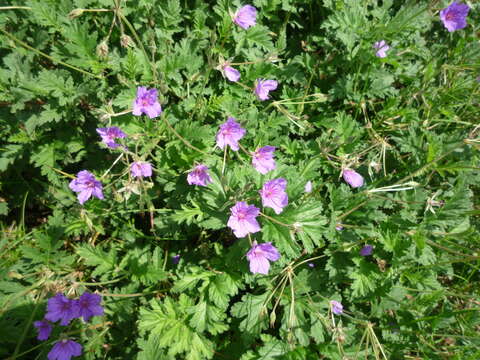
point(376, 166)
point(75, 13)
point(102, 49)
point(126, 41)
point(297, 227)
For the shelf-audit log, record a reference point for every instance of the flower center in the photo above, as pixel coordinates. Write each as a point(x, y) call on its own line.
point(258, 252)
point(450, 16)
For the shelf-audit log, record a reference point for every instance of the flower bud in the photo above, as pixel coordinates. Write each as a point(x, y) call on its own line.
point(126, 41)
point(75, 13)
point(102, 49)
point(352, 178)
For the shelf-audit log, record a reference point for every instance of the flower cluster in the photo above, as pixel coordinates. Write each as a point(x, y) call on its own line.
point(243, 218)
point(146, 102)
point(63, 309)
point(454, 17)
point(246, 17)
point(85, 184)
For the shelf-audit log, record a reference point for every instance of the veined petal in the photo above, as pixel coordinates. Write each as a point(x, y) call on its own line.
point(260, 265)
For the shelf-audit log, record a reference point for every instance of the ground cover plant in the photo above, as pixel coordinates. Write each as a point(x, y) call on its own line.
point(274, 179)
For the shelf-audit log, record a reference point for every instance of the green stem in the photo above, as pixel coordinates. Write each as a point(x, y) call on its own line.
point(25, 45)
point(302, 103)
point(111, 167)
point(135, 35)
point(224, 159)
point(182, 138)
point(27, 327)
point(471, 257)
point(52, 341)
point(15, 8)
point(101, 283)
point(135, 295)
point(20, 295)
point(97, 10)
point(276, 221)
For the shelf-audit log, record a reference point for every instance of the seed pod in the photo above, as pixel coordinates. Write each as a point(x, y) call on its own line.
point(126, 41)
point(102, 49)
point(75, 13)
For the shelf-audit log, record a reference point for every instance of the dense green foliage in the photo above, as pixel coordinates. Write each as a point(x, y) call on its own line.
point(409, 123)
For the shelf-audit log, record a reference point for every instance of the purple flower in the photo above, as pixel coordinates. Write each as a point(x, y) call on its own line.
point(147, 103)
point(61, 308)
point(199, 176)
point(339, 227)
point(176, 259)
point(312, 265)
point(337, 308)
point(366, 250)
point(89, 305)
point(86, 185)
point(273, 195)
point(64, 350)
point(352, 178)
point(382, 48)
point(44, 329)
point(264, 87)
point(141, 169)
point(109, 135)
point(231, 73)
point(454, 17)
point(229, 134)
point(308, 187)
point(259, 256)
point(243, 219)
point(245, 16)
point(262, 159)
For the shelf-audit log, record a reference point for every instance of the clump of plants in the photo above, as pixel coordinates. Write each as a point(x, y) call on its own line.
point(275, 180)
